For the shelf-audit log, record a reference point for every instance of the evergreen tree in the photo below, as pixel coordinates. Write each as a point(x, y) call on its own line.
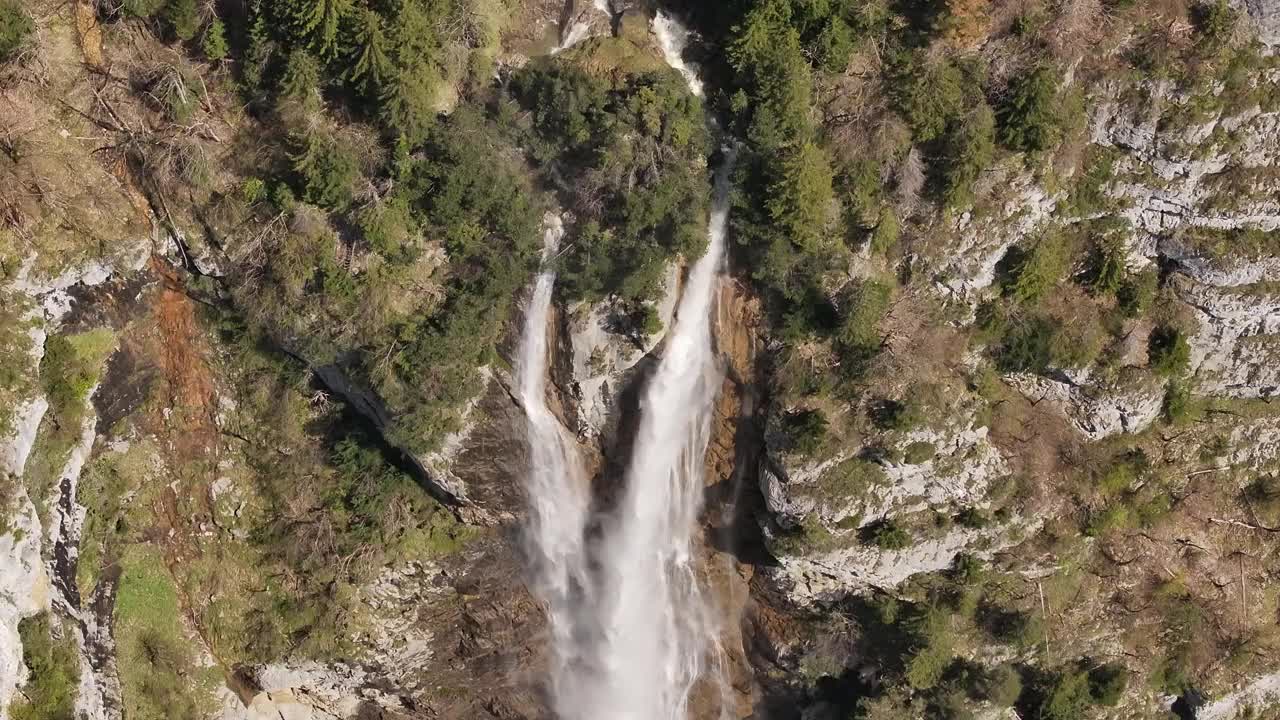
point(317, 22)
point(798, 200)
point(1031, 118)
point(214, 45)
point(371, 66)
point(301, 81)
point(408, 100)
point(969, 149)
point(257, 55)
point(183, 17)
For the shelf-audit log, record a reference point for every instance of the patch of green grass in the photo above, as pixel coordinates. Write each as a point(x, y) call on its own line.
point(918, 452)
point(15, 27)
point(1168, 351)
point(50, 692)
point(809, 538)
point(848, 479)
point(68, 373)
point(16, 371)
point(71, 367)
point(158, 674)
point(117, 490)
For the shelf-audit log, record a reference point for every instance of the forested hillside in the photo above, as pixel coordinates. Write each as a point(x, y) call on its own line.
point(998, 337)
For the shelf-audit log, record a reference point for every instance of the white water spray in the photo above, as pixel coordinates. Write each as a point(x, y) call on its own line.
point(557, 488)
point(632, 627)
point(673, 38)
point(657, 634)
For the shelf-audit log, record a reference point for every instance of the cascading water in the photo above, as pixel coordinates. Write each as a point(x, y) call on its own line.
point(672, 38)
point(633, 630)
point(556, 485)
point(656, 634)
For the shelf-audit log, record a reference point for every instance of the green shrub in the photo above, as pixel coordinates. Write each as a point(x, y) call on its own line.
point(1013, 627)
point(886, 535)
point(1000, 686)
point(1115, 516)
point(969, 149)
point(834, 45)
point(1027, 346)
point(896, 415)
point(885, 236)
point(968, 569)
point(1031, 118)
point(71, 367)
point(1107, 272)
point(805, 430)
point(1027, 274)
point(326, 169)
point(143, 8)
point(183, 18)
point(933, 641)
point(1089, 195)
point(929, 93)
point(1215, 21)
point(214, 44)
point(1177, 403)
point(1065, 696)
point(849, 479)
point(1137, 292)
point(1263, 496)
point(858, 341)
point(1107, 683)
point(15, 27)
point(973, 518)
point(1168, 351)
point(54, 664)
point(1124, 472)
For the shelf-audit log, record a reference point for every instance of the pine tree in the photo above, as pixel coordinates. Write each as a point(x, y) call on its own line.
point(372, 67)
point(408, 100)
point(214, 45)
point(799, 198)
point(183, 17)
point(301, 81)
point(317, 21)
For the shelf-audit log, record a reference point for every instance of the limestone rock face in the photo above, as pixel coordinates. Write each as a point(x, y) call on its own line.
point(1266, 15)
point(22, 574)
point(602, 360)
point(1235, 349)
point(1097, 411)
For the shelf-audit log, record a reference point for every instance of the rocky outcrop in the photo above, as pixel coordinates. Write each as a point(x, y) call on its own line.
point(1096, 410)
point(603, 359)
point(1220, 272)
point(1265, 14)
point(982, 242)
point(857, 568)
point(22, 574)
point(1233, 353)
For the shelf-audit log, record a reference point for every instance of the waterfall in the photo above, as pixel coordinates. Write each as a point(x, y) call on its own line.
point(672, 38)
point(556, 485)
point(657, 634)
point(634, 631)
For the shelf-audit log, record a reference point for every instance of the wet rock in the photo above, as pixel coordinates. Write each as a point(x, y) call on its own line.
point(603, 359)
